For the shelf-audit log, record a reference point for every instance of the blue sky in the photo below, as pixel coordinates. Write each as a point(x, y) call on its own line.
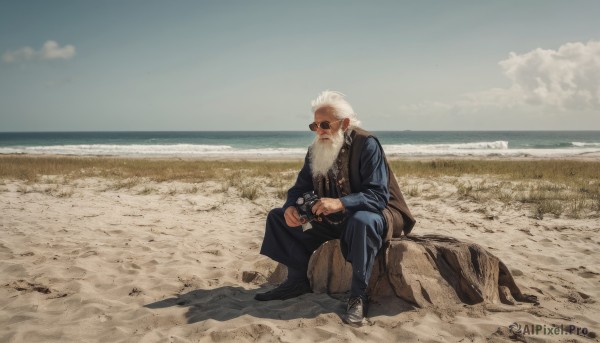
point(255, 65)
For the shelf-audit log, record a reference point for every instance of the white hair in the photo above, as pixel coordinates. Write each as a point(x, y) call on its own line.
point(336, 101)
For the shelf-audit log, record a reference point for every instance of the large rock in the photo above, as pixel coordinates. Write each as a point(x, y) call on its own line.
point(423, 270)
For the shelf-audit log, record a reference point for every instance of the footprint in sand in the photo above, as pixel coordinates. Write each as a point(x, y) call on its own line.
point(579, 298)
point(88, 254)
point(584, 272)
point(213, 252)
point(24, 286)
point(587, 274)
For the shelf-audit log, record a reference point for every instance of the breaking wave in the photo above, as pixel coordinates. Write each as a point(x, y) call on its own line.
point(150, 150)
point(496, 148)
point(581, 144)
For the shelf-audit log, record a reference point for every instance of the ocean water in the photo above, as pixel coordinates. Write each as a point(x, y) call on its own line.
point(294, 143)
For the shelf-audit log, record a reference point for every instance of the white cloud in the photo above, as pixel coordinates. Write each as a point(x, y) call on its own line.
point(25, 53)
point(567, 78)
point(563, 79)
point(49, 51)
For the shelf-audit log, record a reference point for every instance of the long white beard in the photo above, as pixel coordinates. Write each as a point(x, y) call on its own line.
point(323, 154)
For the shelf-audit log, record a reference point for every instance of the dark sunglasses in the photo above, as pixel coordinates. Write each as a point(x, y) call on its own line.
point(325, 125)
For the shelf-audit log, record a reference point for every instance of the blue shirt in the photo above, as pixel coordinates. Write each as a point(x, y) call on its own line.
point(373, 195)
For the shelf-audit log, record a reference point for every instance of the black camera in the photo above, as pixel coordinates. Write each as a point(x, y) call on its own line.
point(304, 205)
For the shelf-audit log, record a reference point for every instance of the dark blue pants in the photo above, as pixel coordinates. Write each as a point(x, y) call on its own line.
point(361, 237)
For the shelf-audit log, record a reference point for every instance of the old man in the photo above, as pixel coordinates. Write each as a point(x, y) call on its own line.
point(360, 203)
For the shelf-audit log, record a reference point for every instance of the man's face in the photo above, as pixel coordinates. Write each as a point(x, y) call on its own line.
point(328, 141)
point(327, 114)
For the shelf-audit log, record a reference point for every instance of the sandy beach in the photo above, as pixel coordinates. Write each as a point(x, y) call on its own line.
point(98, 259)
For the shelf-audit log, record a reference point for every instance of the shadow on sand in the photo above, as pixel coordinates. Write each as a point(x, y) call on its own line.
point(228, 302)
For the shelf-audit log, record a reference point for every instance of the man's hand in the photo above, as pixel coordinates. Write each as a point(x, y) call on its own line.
point(327, 206)
point(292, 217)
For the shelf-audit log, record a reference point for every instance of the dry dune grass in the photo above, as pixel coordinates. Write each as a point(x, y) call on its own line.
point(550, 187)
point(30, 168)
point(555, 187)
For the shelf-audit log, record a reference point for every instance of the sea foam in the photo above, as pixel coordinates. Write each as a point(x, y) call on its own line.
point(581, 144)
point(150, 150)
point(495, 148)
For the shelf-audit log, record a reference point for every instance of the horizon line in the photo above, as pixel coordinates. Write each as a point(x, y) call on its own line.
point(307, 131)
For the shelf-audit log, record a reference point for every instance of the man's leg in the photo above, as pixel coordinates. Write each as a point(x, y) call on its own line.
point(361, 241)
point(292, 247)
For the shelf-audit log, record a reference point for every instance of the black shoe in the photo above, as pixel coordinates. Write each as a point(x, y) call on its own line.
point(356, 311)
point(285, 291)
